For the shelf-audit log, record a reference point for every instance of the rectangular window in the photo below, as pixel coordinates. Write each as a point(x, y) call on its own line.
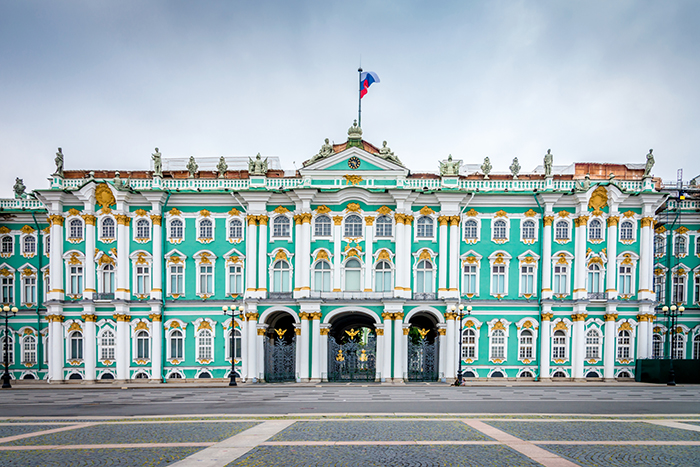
point(76, 280)
point(527, 279)
point(625, 280)
point(697, 288)
point(8, 294)
point(29, 289)
point(660, 288)
point(678, 288)
point(561, 280)
point(235, 279)
point(469, 344)
point(177, 280)
point(526, 347)
point(206, 279)
point(143, 280)
point(470, 279)
point(498, 280)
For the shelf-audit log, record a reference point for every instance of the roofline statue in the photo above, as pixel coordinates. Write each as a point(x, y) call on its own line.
point(157, 164)
point(59, 163)
point(649, 164)
point(257, 166)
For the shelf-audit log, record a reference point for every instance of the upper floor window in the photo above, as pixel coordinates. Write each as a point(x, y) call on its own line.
point(7, 244)
point(108, 228)
point(424, 227)
point(353, 273)
point(384, 226)
point(529, 230)
point(595, 230)
point(469, 344)
point(559, 345)
point(75, 229)
point(561, 230)
point(143, 279)
point(527, 279)
point(592, 344)
point(561, 282)
point(678, 288)
point(29, 245)
point(353, 226)
point(471, 230)
point(697, 288)
point(424, 277)
point(498, 279)
point(383, 277)
point(206, 279)
point(235, 279)
point(594, 278)
point(177, 280)
point(75, 280)
point(106, 283)
point(280, 276)
point(322, 276)
point(322, 226)
point(28, 289)
point(7, 284)
point(143, 229)
point(206, 228)
point(500, 230)
point(623, 345)
point(680, 246)
point(626, 230)
point(657, 349)
point(176, 229)
point(659, 245)
point(470, 275)
point(625, 279)
point(660, 287)
point(280, 226)
point(678, 346)
point(235, 229)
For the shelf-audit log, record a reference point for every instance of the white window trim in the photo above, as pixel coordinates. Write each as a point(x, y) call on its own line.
point(362, 230)
point(522, 262)
point(603, 270)
point(100, 220)
point(471, 241)
point(227, 349)
point(391, 237)
point(199, 327)
point(46, 244)
point(567, 341)
point(696, 277)
point(432, 259)
point(687, 244)
point(169, 219)
point(313, 227)
point(675, 271)
point(67, 224)
point(134, 229)
point(230, 239)
point(135, 257)
point(25, 335)
point(23, 238)
point(603, 230)
point(103, 326)
point(342, 274)
point(198, 221)
point(11, 253)
point(68, 334)
point(493, 258)
point(633, 282)
point(476, 327)
point(535, 220)
point(633, 340)
point(67, 257)
point(665, 239)
point(273, 259)
point(392, 268)
point(593, 325)
point(168, 263)
point(271, 227)
point(134, 342)
point(313, 273)
point(170, 327)
point(569, 258)
point(506, 328)
point(569, 228)
point(477, 263)
point(233, 253)
point(635, 227)
point(22, 275)
point(533, 326)
point(201, 258)
point(436, 227)
point(493, 222)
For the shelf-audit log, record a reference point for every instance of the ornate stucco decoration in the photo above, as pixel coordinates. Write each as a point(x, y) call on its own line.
point(598, 200)
point(204, 213)
point(104, 196)
point(27, 230)
point(426, 211)
point(501, 213)
point(175, 212)
point(471, 213)
point(280, 210)
point(323, 209)
point(73, 212)
point(682, 230)
point(353, 207)
point(280, 255)
point(530, 213)
point(234, 212)
point(322, 254)
point(140, 212)
point(384, 255)
point(564, 213)
point(628, 214)
point(352, 179)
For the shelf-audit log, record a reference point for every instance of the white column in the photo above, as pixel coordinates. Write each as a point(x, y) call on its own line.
point(546, 263)
point(407, 246)
point(454, 256)
point(316, 346)
point(122, 351)
point(298, 253)
point(398, 346)
point(55, 344)
point(545, 340)
point(244, 348)
point(386, 373)
point(581, 224)
point(156, 342)
point(369, 251)
point(89, 291)
point(89, 340)
point(123, 290)
point(442, 256)
point(650, 332)
point(56, 291)
point(642, 335)
point(443, 344)
point(399, 258)
point(450, 350)
point(297, 337)
point(262, 257)
point(157, 266)
point(251, 243)
point(260, 350)
point(304, 261)
point(324, 352)
point(611, 266)
point(646, 259)
point(609, 347)
point(252, 319)
point(337, 258)
point(304, 368)
point(404, 350)
point(578, 353)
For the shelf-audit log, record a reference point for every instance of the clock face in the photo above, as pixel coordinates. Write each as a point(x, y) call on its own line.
point(354, 162)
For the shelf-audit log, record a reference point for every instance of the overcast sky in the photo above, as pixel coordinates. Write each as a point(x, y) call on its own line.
point(108, 81)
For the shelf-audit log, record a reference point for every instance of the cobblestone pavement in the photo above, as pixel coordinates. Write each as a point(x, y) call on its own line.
point(7, 430)
point(378, 430)
point(604, 456)
point(95, 457)
point(593, 431)
point(383, 456)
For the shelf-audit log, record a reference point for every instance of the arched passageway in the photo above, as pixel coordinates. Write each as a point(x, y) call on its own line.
point(423, 348)
point(280, 348)
point(352, 348)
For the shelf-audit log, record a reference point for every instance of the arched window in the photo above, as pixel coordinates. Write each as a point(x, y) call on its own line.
point(143, 344)
point(75, 341)
point(204, 345)
point(626, 230)
point(471, 230)
point(322, 226)
point(177, 345)
point(382, 276)
point(696, 347)
point(322, 276)
point(678, 346)
point(235, 229)
point(424, 277)
point(592, 344)
point(594, 278)
point(561, 230)
point(680, 246)
point(469, 344)
point(660, 245)
point(29, 350)
point(559, 374)
point(7, 245)
point(529, 230)
point(143, 229)
point(424, 227)
point(526, 345)
point(280, 226)
point(623, 345)
point(559, 345)
point(353, 274)
point(499, 230)
point(108, 228)
point(75, 230)
point(107, 375)
point(206, 229)
point(174, 375)
point(280, 276)
point(595, 230)
point(107, 345)
point(29, 245)
point(176, 229)
point(107, 279)
point(498, 344)
point(353, 226)
point(384, 226)
point(525, 374)
point(141, 375)
point(204, 375)
point(657, 346)
point(236, 344)
point(235, 279)
point(9, 345)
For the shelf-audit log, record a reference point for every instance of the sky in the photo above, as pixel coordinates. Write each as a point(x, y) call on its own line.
point(107, 81)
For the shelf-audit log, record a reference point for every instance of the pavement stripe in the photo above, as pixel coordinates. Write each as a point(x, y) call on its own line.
point(672, 424)
point(103, 446)
point(372, 443)
point(44, 432)
point(536, 453)
point(230, 449)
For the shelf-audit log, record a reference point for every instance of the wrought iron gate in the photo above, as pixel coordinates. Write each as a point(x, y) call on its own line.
point(353, 360)
point(280, 360)
point(422, 358)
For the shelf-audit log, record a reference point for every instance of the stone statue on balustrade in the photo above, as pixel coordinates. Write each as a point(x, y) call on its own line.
point(649, 164)
point(449, 168)
point(157, 164)
point(192, 167)
point(19, 188)
point(59, 163)
point(257, 166)
point(548, 159)
point(222, 167)
point(387, 154)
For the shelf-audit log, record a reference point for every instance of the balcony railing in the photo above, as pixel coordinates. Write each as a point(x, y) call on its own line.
point(104, 296)
point(424, 296)
point(596, 295)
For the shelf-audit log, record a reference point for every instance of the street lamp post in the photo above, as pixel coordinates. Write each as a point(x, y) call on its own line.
point(233, 312)
point(459, 340)
point(673, 313)
point(6, 376)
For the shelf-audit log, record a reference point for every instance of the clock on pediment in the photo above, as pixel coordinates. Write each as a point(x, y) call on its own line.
point(354, 162)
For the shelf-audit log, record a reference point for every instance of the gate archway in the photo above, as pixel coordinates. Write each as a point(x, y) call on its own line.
point(423, 348)
point(280, 348)
point(352, 348)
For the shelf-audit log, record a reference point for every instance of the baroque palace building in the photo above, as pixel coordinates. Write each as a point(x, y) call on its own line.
point(350, 268)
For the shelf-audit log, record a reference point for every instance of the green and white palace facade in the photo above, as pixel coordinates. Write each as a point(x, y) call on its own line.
point(350, 268)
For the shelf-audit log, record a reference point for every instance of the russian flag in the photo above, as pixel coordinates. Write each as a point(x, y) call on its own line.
point(366, 80)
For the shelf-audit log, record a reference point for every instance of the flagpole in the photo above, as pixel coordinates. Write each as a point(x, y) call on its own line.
point(359, 106)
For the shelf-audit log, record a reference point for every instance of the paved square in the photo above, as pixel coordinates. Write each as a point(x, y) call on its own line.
point(96, 457)
point(15, 429)
point(613, 456)
point(592, 431)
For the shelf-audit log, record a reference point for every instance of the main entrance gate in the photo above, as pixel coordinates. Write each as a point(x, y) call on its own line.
point(280, 358)
point(354, 358)
point(422, 355)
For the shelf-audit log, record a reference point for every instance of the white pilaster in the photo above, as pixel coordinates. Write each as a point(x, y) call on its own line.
point(399, 337)
point(580, 239)
point(260, 350)
point(262, 258)
point(297, 338)
point(443, 256)
point(337, 258)
point(642, 335)
point(304, 368)
point(609, 347)
point(89, 340)
point(578, 353)
point(316, 347)
point(443, 344)
point(90, 290)
point(298, 256)
point(646, 259)
point(369, 251)
point(56, 291)
point(399, 258)
point(450, 337)
point(251, 243)
point(251, 317)
point(157, 266)
point(545, 340)
point(304, 261)
point(454, 257)
point(156, 342)
point(386, 372)
point(406, 252)
point(325, 328)
point(123, 290)
point(244, 348)
point(611, 266)
point(122, 352)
